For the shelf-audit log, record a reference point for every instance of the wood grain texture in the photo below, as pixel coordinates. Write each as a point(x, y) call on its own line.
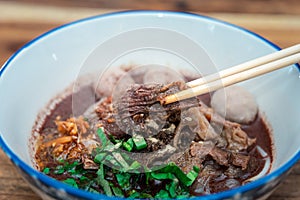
point(233, 6)
point(16, 30)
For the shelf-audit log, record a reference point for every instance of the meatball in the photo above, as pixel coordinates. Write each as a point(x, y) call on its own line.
point(235, 104)
point(160, 74)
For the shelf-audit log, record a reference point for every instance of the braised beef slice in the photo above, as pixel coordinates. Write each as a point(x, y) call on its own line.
point(186, 162)
point(201, 149)
point(240, 160)
point(140, 98)
point(237, 139)
point(139, 111)
point(220, 156)
point(232, 136)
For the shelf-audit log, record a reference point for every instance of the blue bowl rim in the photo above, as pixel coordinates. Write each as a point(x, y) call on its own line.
point(84, 194)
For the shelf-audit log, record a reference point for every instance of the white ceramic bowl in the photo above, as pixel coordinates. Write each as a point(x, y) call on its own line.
point(49, 63)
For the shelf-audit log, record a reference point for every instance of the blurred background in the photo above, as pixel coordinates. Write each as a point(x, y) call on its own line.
point(277, 20)
point(23, 20)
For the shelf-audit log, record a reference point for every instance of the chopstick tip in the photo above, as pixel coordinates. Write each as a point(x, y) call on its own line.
point(167, 99)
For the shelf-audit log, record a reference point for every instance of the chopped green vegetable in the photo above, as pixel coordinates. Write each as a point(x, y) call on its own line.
point(121, 160)
point(99, 157)
point(139, 142)
point(144, 195)
point(71, 181)
point(104, 183)
point(118, 145)
point(59, 169)
point(100, 171)
point(83, 178)
point(112, 161)
point(102, 136)
point(126, 157)
point(117, 191)
point(162, 176)
point(193, 174)
point(172, 188)
point(174, 169)
point(72, 171)
point(46, 170)
point(134, 166)
point(134, 195)
point(128, 145)
point(123, 179)
point(196, 169)
point(71, 167)
point(60, 160)
point(114, 140)
point(183, 196)
point(162, 194)
point(93, 190)
point(67, 167)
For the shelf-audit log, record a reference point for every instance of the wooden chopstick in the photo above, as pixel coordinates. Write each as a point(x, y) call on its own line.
point(246, 65)
point(238, 74)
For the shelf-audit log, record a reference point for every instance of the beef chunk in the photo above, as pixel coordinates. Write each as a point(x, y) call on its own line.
point(204, 130)
point(223, 185)
point(139, 110)
point(201, 149)
point(220, 156)
point(186, 162)
point(232, 136)
point(240, 160)
point(237, 139)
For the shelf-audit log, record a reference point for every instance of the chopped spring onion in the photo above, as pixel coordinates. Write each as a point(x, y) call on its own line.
point(139, 142)
point(128, 145)
point(123, 179)
point(71, 181)
point(117, 191)
point(193, 174)
point(174, 169)
point(105, 185)
point(46, 170)
point(162, 176)
point(172, 187)
point(59, 170)
point(162, 194)
point(101, 180)
point(99, 157)
point(121, 160)
point(102, 136)
point(134, 166)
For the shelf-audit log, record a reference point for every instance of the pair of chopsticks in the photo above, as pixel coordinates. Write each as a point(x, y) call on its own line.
point(238, 73)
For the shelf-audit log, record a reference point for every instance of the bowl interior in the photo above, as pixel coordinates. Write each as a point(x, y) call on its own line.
point(47, 65)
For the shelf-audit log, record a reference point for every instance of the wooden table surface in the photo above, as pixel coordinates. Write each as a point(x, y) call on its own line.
point(23, 20)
